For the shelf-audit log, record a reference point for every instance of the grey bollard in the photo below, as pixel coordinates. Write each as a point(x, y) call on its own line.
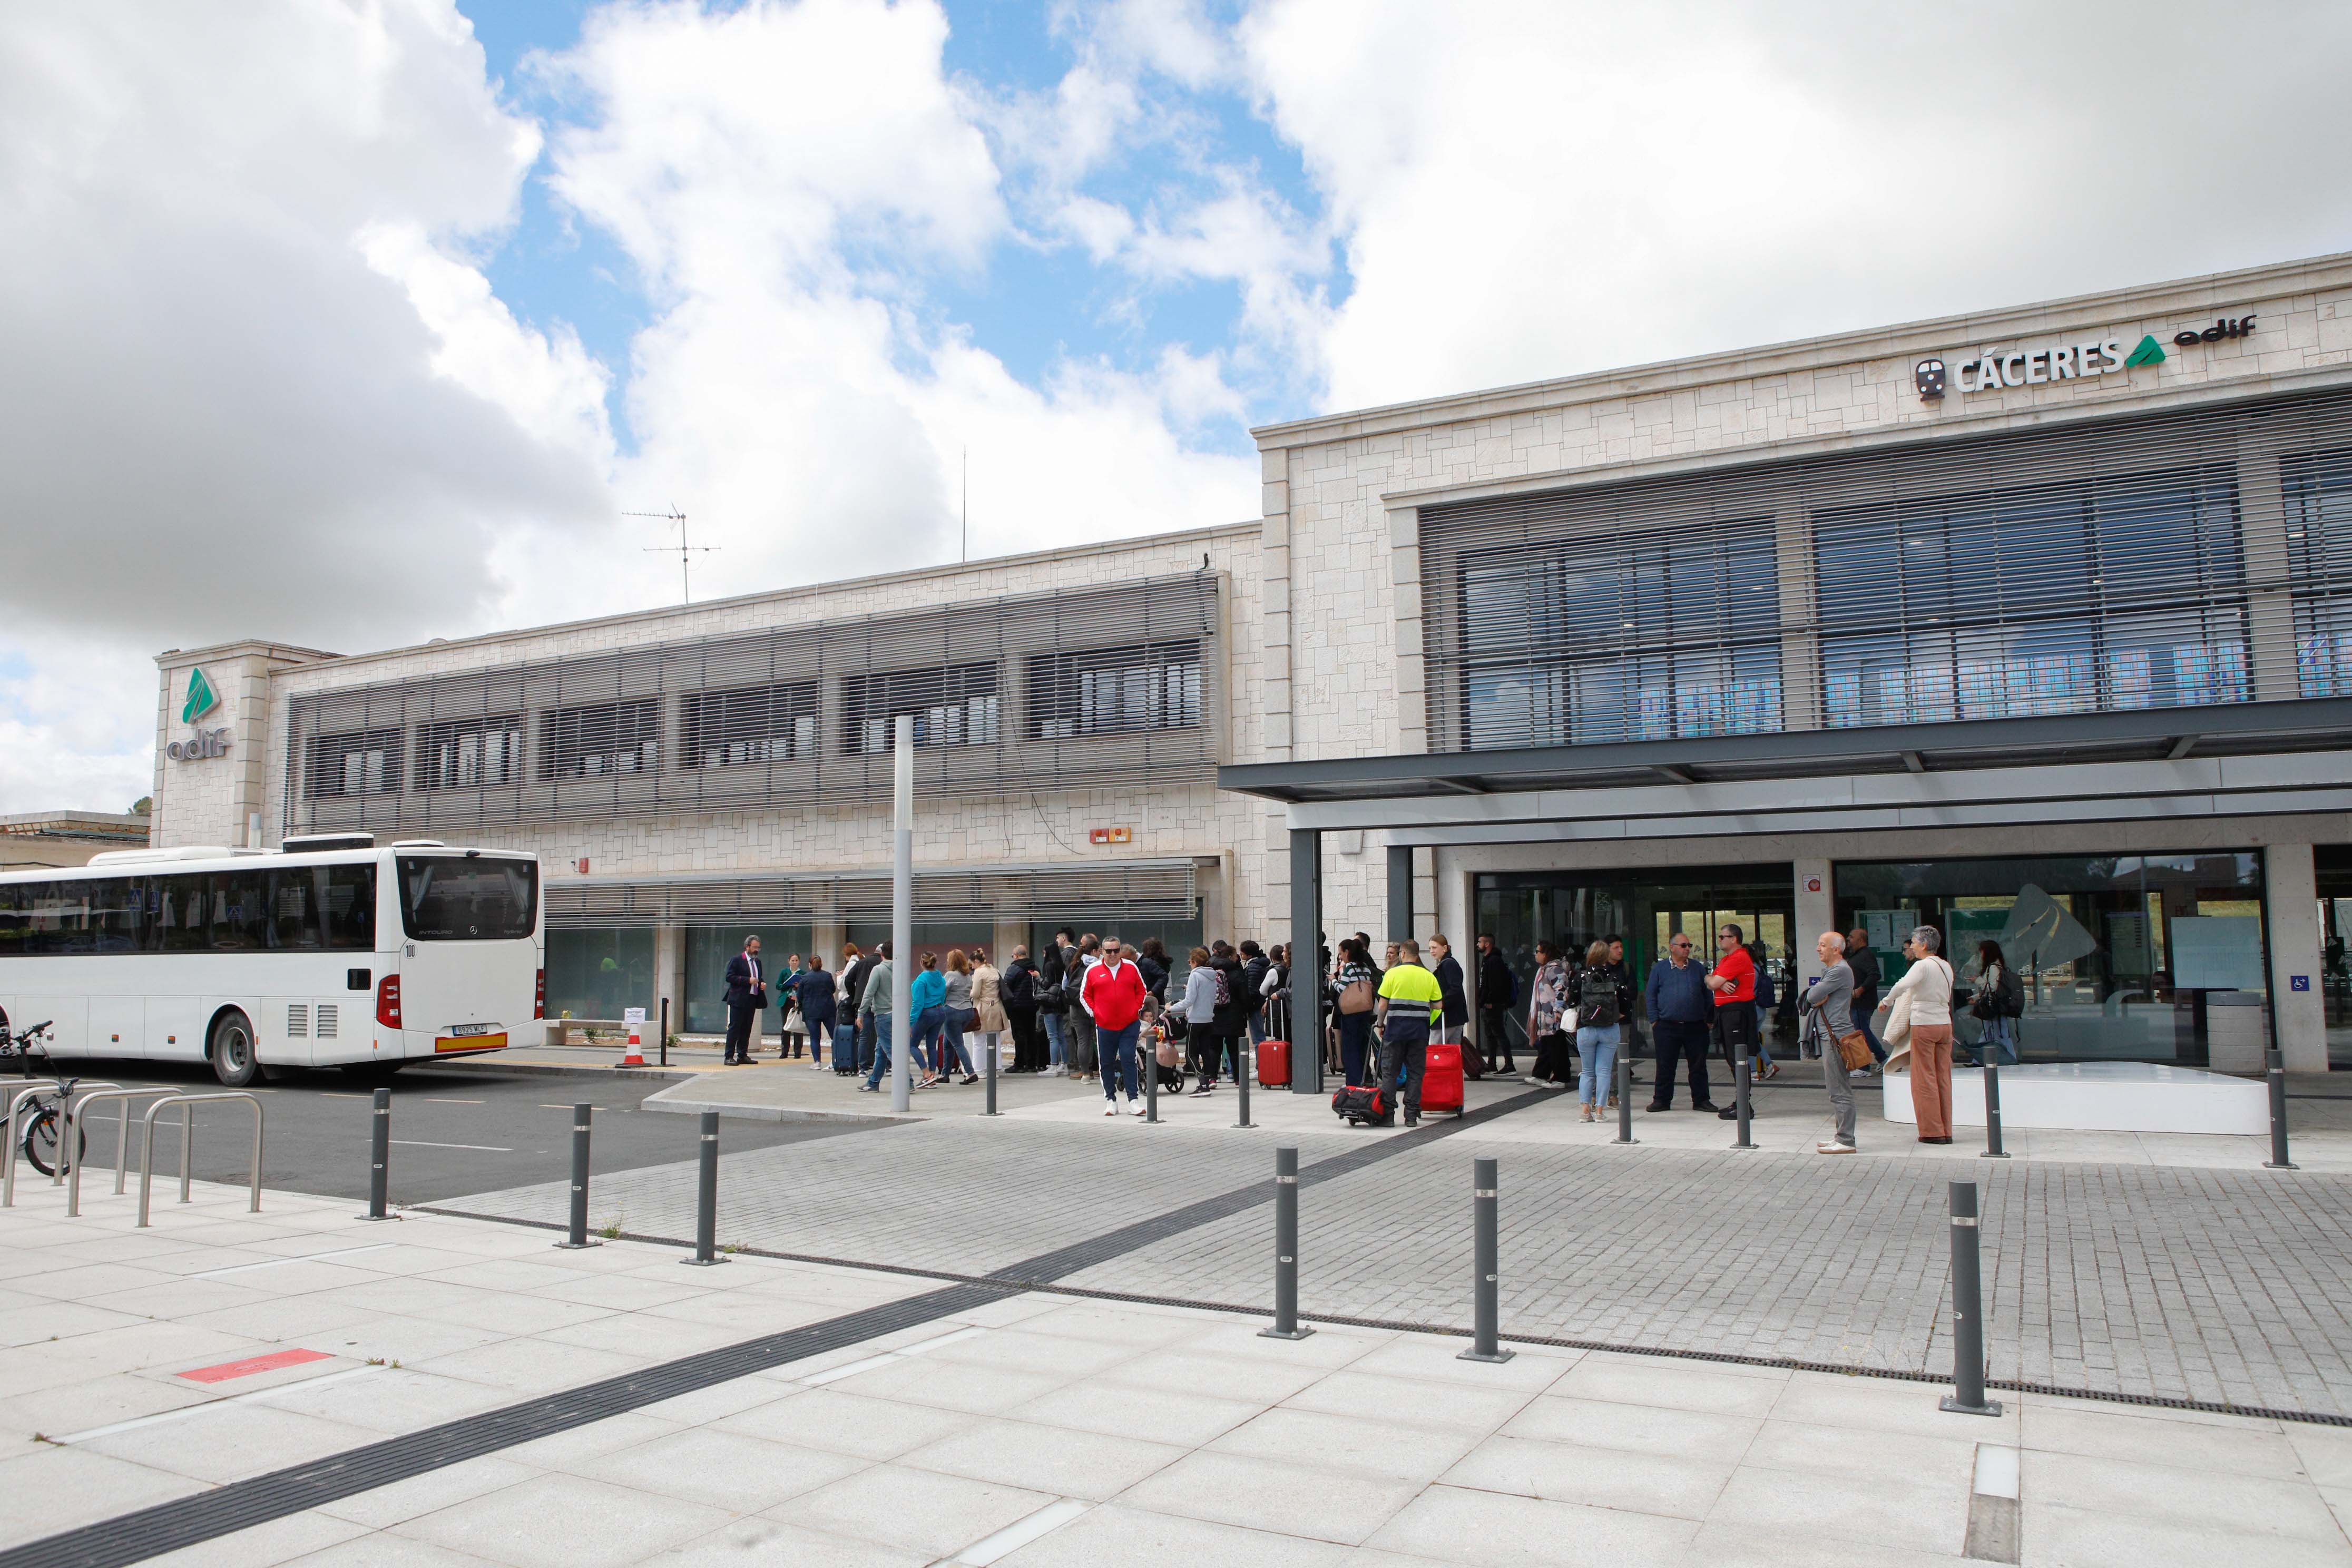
point(2277, 1075)
point(578, 1238)
point(705, 1207)
point(1743, 1075)
point(1968, 1396)
point(1286, 1325)
point(1993, 1150)
point(1147, 1062)
point(991, 1050)
point(1625, 1100)
point(665, 1032)
point(1486, 1262)
point(1245, 1068)
point(380, 1157)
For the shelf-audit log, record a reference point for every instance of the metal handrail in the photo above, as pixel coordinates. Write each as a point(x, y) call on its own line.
point(16, 1110)
point(74, 1118)
point(187, 1143)
point(8, 1152)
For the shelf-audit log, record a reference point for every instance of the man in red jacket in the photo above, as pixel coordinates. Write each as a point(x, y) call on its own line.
point(1734, 985)
point(1112, 994)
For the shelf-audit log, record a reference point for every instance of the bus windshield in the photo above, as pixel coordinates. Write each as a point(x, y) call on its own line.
point(449, 899)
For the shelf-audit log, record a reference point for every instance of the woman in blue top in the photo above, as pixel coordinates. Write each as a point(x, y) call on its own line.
point(928, 996)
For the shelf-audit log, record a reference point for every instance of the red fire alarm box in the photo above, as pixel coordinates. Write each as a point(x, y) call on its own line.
point(583, 865)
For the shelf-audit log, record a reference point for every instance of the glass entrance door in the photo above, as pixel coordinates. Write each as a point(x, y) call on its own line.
point(1646, 907)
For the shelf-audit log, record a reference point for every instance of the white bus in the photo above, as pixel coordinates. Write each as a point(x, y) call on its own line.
point(328, 952)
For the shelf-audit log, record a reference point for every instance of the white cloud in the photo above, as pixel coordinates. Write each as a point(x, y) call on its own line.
point(797, 181)
point(219, 419)
point(1525, 190)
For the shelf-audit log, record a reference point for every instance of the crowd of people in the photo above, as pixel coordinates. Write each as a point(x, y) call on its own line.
point(1084, 1006)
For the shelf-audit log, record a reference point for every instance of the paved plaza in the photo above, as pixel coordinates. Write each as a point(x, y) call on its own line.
point(2214, 1282)
point(162, 1373)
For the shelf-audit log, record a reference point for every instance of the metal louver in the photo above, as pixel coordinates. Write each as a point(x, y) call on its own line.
point(1076, 688)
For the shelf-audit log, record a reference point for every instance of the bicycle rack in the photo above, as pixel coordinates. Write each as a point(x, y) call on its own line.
point(15, 1136)
point(187, 1143)
point(73, 1125)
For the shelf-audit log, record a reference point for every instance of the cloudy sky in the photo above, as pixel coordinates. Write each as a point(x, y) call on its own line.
point(352, 323)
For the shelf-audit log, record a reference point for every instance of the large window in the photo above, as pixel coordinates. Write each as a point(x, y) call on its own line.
point(1101, 691)
point(471, 753)
point(2055, 599)
point(360, 761)
point(1618, 639)
point(2318, 491)
point(748, 724)
point(601, 739)
point(2149, 957)
point(955, 705)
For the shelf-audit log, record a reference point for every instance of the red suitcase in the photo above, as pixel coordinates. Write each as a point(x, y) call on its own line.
point(1441, 1079)
point(1273, 1063)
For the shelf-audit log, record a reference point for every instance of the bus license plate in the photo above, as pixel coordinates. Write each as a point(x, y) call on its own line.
point(471, 1028)
point(471, 1043)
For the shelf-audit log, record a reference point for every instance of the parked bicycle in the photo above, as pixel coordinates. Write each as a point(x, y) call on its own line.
point(25, 1050)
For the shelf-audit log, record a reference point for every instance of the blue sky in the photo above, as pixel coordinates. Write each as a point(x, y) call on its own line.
point(1036, 302)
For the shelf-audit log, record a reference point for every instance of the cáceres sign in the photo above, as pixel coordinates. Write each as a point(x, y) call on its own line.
point(1994, 369)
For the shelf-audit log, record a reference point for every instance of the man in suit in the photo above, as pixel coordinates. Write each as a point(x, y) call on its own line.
point(745, 996)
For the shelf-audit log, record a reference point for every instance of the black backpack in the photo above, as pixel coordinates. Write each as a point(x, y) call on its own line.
point(1596, 1000)
point(2009, 998)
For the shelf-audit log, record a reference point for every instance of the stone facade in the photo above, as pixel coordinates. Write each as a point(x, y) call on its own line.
point(212, 797)
point(1342, 657)
point(1322, 645)
point(209, 800)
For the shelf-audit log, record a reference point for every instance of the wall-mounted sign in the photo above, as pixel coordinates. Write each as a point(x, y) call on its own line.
point(1109, 835)
point(202, 744)
point(1812, 884)
point(1994, 368)
point(202, 698)
point(2225, 328)
point(2298, 982)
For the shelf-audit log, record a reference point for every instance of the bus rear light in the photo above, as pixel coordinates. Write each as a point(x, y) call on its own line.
point(387, 1002)
point(539, 1002)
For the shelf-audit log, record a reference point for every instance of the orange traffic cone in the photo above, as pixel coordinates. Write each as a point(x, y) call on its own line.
point(636, 1057)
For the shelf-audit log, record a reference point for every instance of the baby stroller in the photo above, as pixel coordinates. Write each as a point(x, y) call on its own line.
point(1163, 1041)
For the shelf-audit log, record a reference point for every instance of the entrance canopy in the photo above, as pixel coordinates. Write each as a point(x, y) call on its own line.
point(2255, 757)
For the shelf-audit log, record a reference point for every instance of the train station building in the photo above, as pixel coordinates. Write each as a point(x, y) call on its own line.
point(2032, 624)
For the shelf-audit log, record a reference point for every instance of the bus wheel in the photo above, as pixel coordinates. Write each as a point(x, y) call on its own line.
point(234, 1062)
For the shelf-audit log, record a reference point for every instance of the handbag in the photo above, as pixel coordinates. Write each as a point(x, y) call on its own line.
point(1355, 997)
point(1853, 1050)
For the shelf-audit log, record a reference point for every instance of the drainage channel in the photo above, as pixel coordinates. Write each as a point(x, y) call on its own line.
point(241, 1505)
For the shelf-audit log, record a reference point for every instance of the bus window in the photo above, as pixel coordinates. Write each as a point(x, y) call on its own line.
point(117, 914)
point(16, 917)
point(444, 899)
point(294, 908)
point(349, 908)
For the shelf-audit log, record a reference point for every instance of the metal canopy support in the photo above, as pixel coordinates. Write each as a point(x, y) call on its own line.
point(1305, 961)
point(1399, 892)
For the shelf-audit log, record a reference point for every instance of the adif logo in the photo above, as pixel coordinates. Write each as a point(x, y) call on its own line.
point(202, 698)
point(2149, 351)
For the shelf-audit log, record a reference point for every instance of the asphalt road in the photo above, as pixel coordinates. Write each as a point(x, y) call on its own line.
point(453, 1132)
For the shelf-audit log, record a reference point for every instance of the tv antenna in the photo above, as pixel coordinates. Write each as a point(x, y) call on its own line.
point(685, 551)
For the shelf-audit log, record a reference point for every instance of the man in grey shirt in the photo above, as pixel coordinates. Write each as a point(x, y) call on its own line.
point(1833, 998)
